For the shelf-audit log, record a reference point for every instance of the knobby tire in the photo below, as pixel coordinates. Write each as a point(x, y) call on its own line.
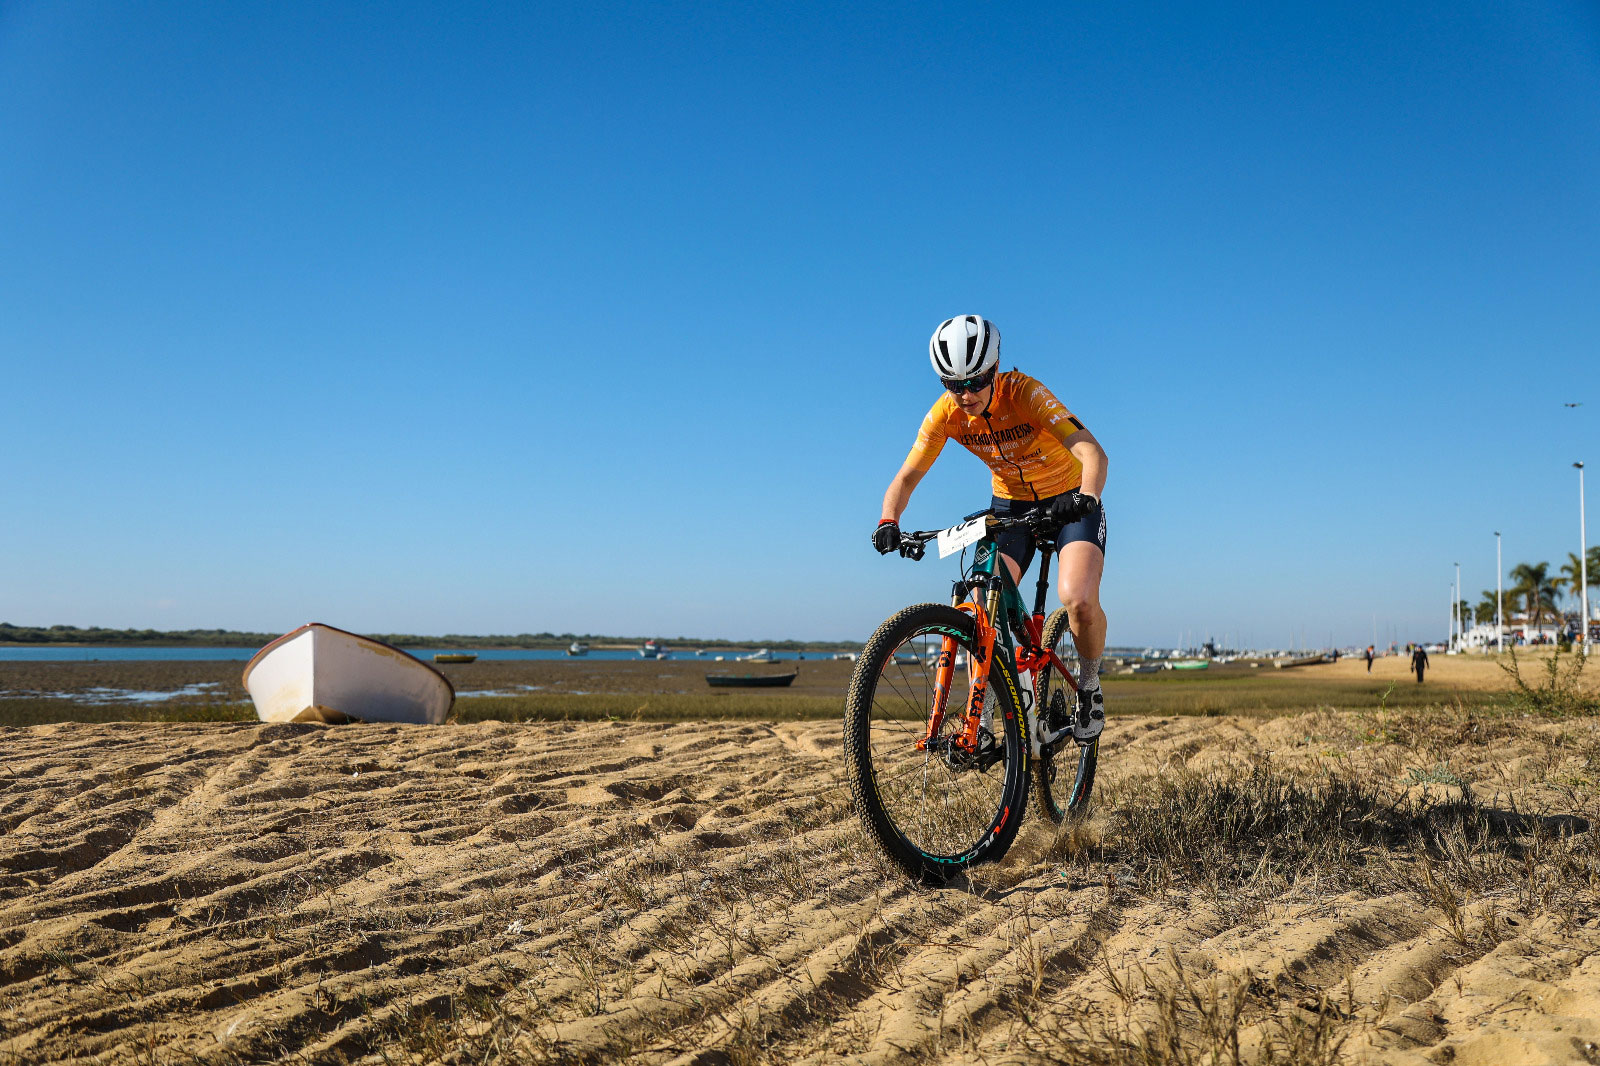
point(932, 821)
point(1063, 779)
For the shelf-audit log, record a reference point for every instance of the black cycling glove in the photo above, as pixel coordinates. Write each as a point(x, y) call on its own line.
point(1072, 506)
point(886, 538)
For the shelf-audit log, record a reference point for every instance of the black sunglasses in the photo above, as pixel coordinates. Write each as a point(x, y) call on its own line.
point(977, 384)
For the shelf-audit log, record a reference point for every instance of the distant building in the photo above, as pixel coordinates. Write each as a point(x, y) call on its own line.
point(1518, 630)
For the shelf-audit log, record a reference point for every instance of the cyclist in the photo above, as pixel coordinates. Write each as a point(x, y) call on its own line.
point(1044, 464)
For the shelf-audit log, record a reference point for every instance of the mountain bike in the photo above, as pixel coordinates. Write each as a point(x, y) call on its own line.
point(940, 744)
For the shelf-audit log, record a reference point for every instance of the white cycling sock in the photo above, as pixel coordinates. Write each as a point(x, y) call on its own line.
point(1089, 673)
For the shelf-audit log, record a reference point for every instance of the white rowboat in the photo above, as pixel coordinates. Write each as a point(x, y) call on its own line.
point(321, 674)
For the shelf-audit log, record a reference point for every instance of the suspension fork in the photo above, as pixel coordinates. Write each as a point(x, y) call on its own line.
point(977, 668)
point(978, 662)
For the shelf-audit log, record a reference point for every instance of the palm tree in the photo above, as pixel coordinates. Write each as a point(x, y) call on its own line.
point(1484, 613)
point(1573, 579)
point(1532, 581)
point(1573, 569)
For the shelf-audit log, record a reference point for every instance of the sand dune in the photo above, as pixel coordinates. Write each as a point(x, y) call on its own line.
point(700, 893)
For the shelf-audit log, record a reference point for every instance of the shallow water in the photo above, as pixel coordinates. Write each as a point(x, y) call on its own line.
point(105, 694)
point(133, 653)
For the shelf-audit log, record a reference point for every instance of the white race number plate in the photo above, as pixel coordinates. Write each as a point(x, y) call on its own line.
point(967, 533)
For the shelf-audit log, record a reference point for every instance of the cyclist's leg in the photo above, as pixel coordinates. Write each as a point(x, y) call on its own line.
point(1016, 545)
point(1082, 562)
point(1080, 565)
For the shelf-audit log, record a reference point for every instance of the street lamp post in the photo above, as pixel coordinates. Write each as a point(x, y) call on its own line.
point(1499, 618)
point(1461, 622)
point(1583, 565)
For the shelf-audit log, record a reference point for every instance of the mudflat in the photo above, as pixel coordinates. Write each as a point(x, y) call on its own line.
point(510, 690)
point(1375, 886)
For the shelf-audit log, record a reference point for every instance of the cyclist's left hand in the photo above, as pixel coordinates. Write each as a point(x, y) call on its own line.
point(1073, 506)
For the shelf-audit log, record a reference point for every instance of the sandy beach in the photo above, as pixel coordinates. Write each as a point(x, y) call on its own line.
point(697, 892)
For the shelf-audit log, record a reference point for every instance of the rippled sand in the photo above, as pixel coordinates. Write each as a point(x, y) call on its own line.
point(699, 893)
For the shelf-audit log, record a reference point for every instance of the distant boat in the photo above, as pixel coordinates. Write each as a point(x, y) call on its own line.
point(321, 674)
point(751, 680)
point(844, 656)
point(907, 658)
point(650, 650)
point(763, 656)
point(455, 657)
point(1191, 664)
point(1304, 660)
point(577, 647)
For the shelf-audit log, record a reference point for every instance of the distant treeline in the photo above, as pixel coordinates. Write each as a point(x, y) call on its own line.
point(229, 638)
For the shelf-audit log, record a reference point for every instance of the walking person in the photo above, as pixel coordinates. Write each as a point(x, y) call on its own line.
point(1369, 658)
point(1419, 662)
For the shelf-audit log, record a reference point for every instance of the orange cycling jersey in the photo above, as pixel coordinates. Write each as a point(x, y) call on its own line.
point(1021, 436)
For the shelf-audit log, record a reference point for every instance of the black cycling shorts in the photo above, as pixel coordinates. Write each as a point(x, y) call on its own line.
point(1019, 544)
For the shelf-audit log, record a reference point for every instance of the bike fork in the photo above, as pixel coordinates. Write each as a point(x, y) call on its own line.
point(978, 660)
point(943, 677)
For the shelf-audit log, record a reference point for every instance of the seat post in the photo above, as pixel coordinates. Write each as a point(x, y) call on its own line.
point(1047, 551)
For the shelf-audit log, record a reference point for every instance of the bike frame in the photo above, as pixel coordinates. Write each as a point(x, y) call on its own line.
point(1002, 623)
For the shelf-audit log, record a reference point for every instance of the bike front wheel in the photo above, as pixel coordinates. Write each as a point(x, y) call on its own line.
point(937, 810)
point(1061, 781)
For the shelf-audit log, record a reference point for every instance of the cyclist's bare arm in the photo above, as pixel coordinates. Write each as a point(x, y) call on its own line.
point(1088, 452)
point(899, 492)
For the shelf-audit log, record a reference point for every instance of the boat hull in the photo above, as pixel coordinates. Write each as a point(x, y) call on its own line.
point(321, 674)
point(750, 680)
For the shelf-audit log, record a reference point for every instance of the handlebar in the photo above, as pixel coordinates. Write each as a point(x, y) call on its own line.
point(914, 544)
point(995, 522)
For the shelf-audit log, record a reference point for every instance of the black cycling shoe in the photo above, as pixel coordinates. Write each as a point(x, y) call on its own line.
point(1091, 716)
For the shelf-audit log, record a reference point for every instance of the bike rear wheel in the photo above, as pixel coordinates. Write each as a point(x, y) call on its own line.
point(937, 811)
point(1063, 774)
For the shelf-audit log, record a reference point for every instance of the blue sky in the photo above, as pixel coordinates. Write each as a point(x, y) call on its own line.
point(613, 317)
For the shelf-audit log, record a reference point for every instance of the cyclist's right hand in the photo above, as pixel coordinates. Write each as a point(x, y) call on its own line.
point(886, 538)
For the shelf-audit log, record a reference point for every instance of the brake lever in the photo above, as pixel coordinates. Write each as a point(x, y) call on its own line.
point(912, 549)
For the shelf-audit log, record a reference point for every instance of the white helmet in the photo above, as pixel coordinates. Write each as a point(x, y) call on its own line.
point(964, 347)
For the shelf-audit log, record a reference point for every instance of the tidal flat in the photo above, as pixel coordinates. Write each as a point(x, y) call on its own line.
point(33, 693)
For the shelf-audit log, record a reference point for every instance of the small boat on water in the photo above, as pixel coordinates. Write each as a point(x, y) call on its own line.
point(455, 657)
point(650, 650)
point(577, 647)
point(318, 673)
point(763, 656)
point(751, 680)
